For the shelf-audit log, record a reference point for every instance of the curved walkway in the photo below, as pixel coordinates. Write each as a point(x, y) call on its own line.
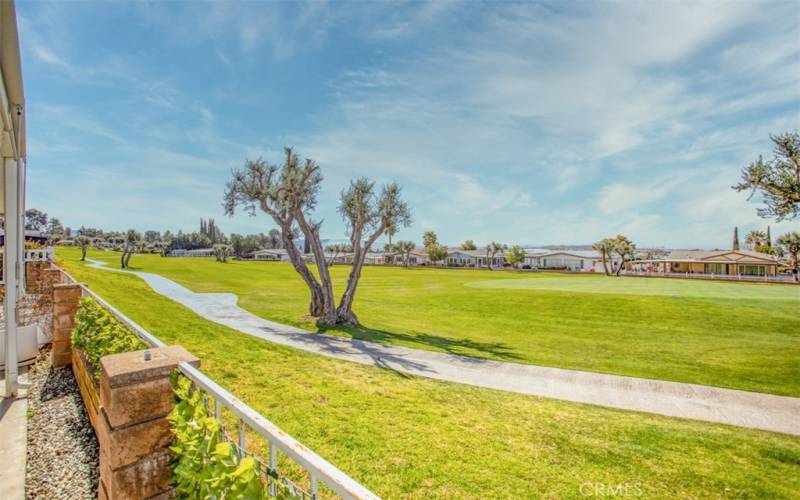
point(712, 404)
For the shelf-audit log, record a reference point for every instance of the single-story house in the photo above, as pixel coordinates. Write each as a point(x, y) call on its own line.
point(269, 254)
point(381, 257)
point(197, 252)
point(729, 262)
point(570, 260)
point(473, 258)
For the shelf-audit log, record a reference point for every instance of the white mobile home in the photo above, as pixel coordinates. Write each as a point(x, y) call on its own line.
point(569, 260)
point(473, 258)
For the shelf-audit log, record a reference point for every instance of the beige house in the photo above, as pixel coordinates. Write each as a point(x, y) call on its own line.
point(725, 262)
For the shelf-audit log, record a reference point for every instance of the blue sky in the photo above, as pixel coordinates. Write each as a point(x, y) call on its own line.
point(519, 122)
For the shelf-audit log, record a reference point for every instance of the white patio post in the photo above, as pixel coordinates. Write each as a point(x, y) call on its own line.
point(11, 271)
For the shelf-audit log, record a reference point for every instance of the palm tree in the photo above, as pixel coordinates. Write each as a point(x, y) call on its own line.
point(755, 239)
point(405, 248)
point(605, 247)
point(791, 244)
point(625, 248)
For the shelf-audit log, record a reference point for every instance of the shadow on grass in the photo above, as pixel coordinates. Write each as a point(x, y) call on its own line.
point(458, 347)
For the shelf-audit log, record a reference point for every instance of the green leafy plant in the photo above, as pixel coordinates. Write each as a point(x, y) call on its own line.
point(98, 333)
point(206, 465)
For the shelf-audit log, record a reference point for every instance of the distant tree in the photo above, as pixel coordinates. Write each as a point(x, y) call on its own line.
point(67, 233)
point(735, 245)
point(91, 232)
point(755, 239)
point(54, 231)
point(436, 252)
point(777, 179)
point(221, 252)
point(132, 241)
point(625, 249)
point(769, 238)
point(405, 248)
point(790, 243)
point(35, 220)
point(493, 249)
point(429, 239)
point(515, 255)
point(151, 236)
point(83, 242)
point(606, 249)
point(468, 245)
point(274, 239)
point(336, 250)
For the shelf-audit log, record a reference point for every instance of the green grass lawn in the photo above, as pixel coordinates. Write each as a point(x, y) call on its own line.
point(738, 335)
point(417, 438)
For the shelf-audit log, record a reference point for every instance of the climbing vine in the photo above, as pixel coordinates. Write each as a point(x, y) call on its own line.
point(98, 333)
point(206, 466)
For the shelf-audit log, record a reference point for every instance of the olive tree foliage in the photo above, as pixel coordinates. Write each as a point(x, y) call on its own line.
point(131, 244)
point(515, 255)
point(367, 214)
point(790, 243)
point(777, 179)
point(83, 242)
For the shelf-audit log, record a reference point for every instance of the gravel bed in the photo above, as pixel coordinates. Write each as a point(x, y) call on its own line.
point(62, 448)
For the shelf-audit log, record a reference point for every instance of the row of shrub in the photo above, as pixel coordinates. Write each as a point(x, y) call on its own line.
point(98, 333)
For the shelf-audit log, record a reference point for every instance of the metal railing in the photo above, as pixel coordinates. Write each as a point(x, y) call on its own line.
point(779, 278)
point(317, 467)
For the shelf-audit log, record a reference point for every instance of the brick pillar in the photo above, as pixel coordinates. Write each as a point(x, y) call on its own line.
point(133, 433)
point(66, 298)
point(34, 276)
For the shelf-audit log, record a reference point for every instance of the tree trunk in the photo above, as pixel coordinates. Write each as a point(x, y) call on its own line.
point(328, 316)
point(605, 263)
point(122, 259)
point(83, 253)
point(344, 313)
point(621, 263)
point(315, 306)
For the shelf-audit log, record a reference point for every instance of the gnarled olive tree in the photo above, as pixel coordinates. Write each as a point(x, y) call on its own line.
point(288, 194)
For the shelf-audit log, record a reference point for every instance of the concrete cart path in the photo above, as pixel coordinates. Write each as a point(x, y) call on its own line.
point(712, 404)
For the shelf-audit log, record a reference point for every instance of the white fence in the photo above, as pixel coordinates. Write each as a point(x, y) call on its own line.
point(317, 467)
point(39, 254)
point(780, 278)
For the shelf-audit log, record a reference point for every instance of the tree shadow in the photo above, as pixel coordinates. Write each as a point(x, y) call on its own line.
point(376, 354)
point(467, 348)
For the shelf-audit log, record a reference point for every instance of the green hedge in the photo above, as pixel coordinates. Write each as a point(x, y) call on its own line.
point(98, 333)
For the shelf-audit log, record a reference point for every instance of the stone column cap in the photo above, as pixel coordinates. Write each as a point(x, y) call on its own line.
point(67, 285)
point(129, 368)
